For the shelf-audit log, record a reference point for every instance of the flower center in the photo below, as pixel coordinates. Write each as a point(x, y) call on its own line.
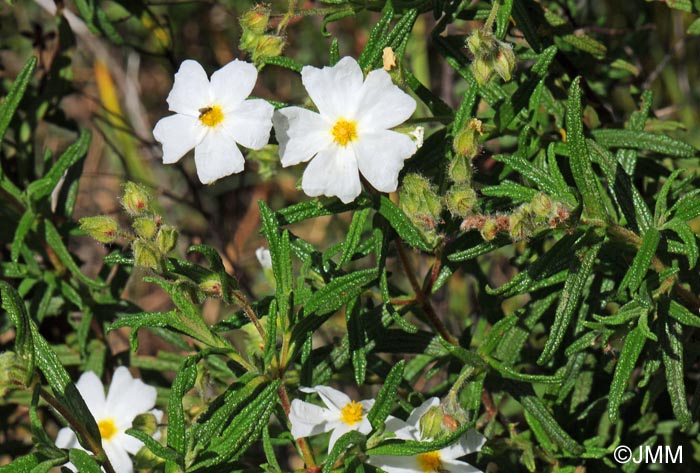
point(211, 116)
point(351, 414)
point(108, 428)
point(344, 131)
point(429, 462)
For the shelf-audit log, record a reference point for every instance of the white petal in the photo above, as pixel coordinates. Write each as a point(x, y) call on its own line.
point(338, 432)
point(401, 429)
point(118, 457)
point(380, 157)
point(395, 464)
point(66, 439)
point(414, 418)
point(454, 466)
point(233, 83)
point(128, 397)
point(308, 419)
point(217, 156)
point(128, 443)
point(264, 257)
point(471, 441)
point(335, 90)
point(93, 392)
point(301, 134)
point(364, 427)
point(190, 90)
point(334, 399)
point(333, 172)
point(178, 134)
point(382, 104)
point(250, 122)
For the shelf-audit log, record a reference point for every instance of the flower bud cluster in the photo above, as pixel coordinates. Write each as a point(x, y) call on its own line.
point(151, 240)
point(461, 199)
point(523, 222)
point(255, 40)
point(420, 201)
point(490, 55)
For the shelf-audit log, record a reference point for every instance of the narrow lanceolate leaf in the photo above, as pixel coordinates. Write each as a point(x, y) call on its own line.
point(503, 18)
point(280, 253)
point(403, 226)
point(75, 152)
point(683, 315)
point(385, 399)
point(569, 301)
point(640, 265)
point(672, 355)
point(354, 233)
point(339, 291)
point(177, 433)
point(23, 227)
point(10, 103)
point(54, 240)
point(579, 157)
point(634, 343)
point(83, 461)
point(643, 140)
point(375, 42)
point(690, 242)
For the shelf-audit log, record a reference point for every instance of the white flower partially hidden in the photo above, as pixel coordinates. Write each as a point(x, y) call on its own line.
point(341, 416)
point(350, 134)
point(214, 118)
point(438, 461)
point(127, 398)
point(264, 257)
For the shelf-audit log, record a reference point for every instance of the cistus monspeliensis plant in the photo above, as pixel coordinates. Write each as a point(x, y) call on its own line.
point(349, 236)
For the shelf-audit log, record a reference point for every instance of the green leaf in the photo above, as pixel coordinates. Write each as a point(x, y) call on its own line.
point(357, 226)
point(341, 446)
point(375, 42)
point(689, 239)
point(634, 343)
point(515, 192)
point(282, 61)
point(10, 103)
point(75, 152)
point(83, 461)
point(580, 159)
point(503, 18)
point(403, 226)
point(683, 315)
point(339, 291)
point(54, 240)
point(643, 140)
point(569, 301)
point(640, 265)
point(385, 399)
point(672, 355)
point(394, 446)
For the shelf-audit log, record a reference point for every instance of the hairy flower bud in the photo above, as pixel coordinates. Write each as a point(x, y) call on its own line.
point(420, 202)
point(431, 423)
point(522, 224)
point(101, 228)
point(268, 46)
point(504, 62)
point(147, 255)
point(542, 205)
point(166, 238)
point(256, 19)
point(489, 230)
point(146, 423)
point(466, 144)
point(145, 227)
point(136, 200)
point(482, 70)
point(460, 200)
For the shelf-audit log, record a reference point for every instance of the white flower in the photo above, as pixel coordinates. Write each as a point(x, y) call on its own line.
point(350, 134)
point(127, 398)
point(341, 416)
point(444, 460)
point(213, 118)
point(264, 257)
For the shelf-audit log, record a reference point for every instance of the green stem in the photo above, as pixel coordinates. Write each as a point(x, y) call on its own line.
point(492, 16)
point(243, 302)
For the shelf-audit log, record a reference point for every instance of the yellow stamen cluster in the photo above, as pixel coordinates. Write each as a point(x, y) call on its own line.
point(351, 413)
point(211, 116)
point(344, 131)
point(108, 428)
point(429, 462)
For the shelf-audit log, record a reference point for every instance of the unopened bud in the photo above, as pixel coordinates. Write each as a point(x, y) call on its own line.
point(145, 227)
point(256, 19)
point(420, 202)
point(489, 230)
point(482, 44)
point(521, 223)
point(101, 228)
point(146, 255)
point(542, 205)
point(460, 200)
point(466, 144)
point(146, 423)
point(268, 46)
point(431, 423)
point(504, 62)
point(136, 200)
point(166, 238)
point(212, 286)
point(482, 69)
